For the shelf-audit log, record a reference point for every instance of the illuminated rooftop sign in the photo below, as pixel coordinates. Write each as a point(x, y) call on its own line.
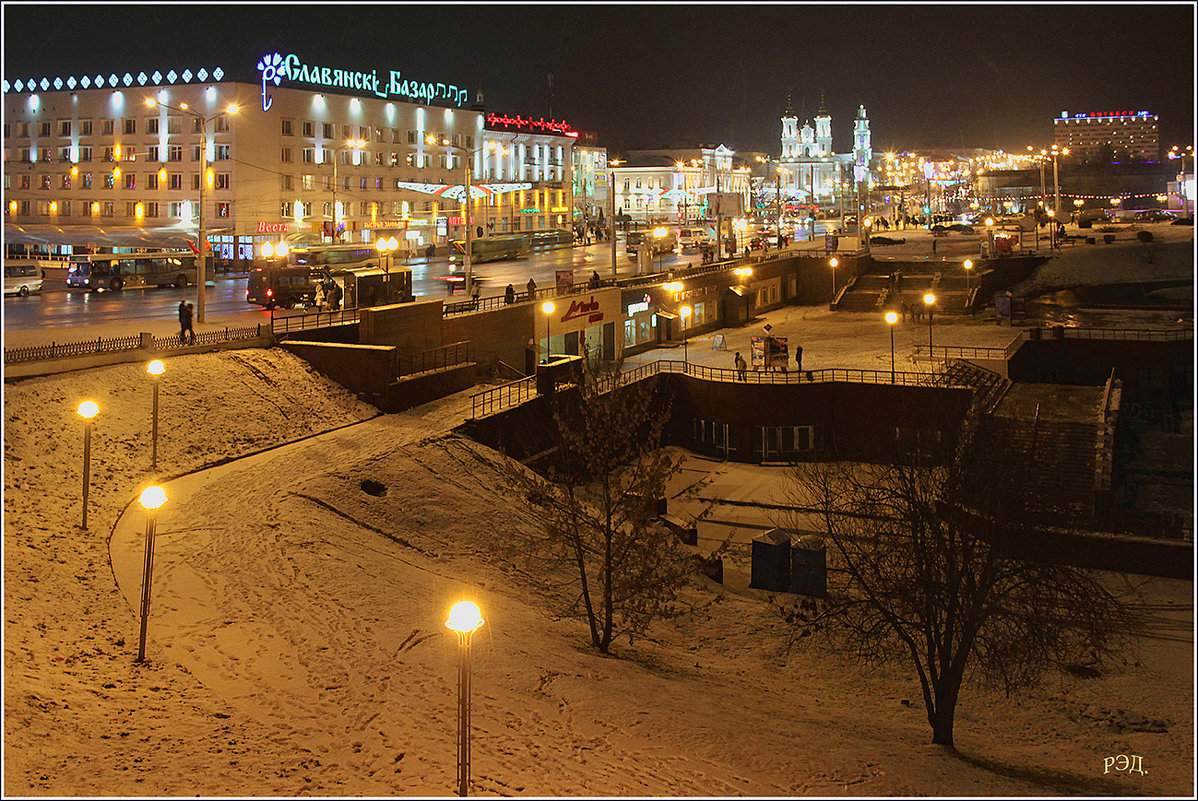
point(99, 81)
point(276, 68)
point(1086, 115)
point(542, 125)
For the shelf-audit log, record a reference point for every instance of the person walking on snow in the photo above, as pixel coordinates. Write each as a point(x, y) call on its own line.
point(741, 366)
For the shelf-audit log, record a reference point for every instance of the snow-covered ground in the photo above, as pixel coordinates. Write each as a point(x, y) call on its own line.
point(296, 640)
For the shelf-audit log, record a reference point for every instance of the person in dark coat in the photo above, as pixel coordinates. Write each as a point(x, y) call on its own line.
point(532, 289)
point(595, 281)
point(185, 323)
point(799, 358)
point(509, 295)
point(741, 366)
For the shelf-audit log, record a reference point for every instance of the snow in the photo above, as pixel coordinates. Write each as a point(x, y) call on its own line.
point(296, 644)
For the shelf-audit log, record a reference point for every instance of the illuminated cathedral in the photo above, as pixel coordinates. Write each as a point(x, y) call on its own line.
point(807, 154)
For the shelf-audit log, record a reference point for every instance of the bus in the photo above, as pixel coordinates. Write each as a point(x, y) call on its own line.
point(22, 277)
point(660, 240)
point(117, 271)
point(500, 247)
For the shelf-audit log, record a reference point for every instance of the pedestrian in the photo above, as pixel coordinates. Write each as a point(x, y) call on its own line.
point(741, 366)
point(430, 251)
point(318, 299)
point(933, 244)
point(188, 313)
point(532, 289)
point(182, 322)
point(475, 290)
point(509, 295)
point(335, 295)
point(799, 358)
point(905, 309)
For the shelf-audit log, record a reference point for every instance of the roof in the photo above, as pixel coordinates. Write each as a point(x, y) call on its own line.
point(98, 236)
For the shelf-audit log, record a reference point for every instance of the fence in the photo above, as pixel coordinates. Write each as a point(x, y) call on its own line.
point(946, 352)
point(435, 359)
point(493, 400)
point(284, 322)
point(501, 397)
point(58, 350)
point(88, 347)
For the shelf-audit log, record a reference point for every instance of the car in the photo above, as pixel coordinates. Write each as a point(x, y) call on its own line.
point(1183, 221)
point(21, 279)
point(457, 280)
point(692, 239)
point(1155, 215)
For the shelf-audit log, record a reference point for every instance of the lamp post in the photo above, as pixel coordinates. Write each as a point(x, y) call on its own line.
point(1077, 207)
point(467, 263)
point(968, 265)
point(548, 308)
point(867, 223)
point(611, 210)
point(201, 239)
point(151, 498)
point(832, 262)
point(87, 410)
point(684, 313)
point(1056, 181)
point(386, 246)
point(351, 144)
point(891, 319)
point(1178, 153)
point(464, 619)
point(155, 368)
point(929, 300)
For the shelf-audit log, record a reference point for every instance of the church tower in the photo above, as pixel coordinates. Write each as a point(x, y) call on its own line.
point(823, 130)
point(862, 153)
point(790, 133)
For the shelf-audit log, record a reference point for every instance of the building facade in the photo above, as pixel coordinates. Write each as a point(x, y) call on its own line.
point(89, 162)
point(812, 172)
point(1120, 135)
point(681, 184)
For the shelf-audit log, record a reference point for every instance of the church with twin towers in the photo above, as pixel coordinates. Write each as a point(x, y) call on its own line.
point(814, 170)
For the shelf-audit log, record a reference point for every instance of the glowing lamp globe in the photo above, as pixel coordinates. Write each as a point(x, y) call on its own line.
point(88, 409)
point(833, 262)
point(464, 617)
point(891, 318)
point(156, 367)
point(152, 497)
point(548, 307)
point(929, 299)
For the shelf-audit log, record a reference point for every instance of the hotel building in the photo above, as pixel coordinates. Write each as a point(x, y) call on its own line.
point(1129, 135)
point(89, 162)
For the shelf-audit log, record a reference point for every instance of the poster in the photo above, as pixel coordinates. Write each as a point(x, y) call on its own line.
point(769, 353)
point(565, 280)
point(718, 343)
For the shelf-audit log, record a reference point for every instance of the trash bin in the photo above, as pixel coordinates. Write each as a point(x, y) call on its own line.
point(809, 567)
point(770, 568)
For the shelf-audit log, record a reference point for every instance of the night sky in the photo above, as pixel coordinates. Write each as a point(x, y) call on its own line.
point(667, 75)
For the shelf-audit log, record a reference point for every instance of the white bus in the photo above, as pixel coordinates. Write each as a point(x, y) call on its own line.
point(117, 271)
point(22, 277)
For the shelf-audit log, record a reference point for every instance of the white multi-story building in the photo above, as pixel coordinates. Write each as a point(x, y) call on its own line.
point(1121, 135)
point(88, 162)
point(677, 184)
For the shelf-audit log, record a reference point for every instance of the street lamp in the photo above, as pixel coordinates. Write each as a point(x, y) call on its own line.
point(1056, 181)
point(464, 619)
point(548, 308)
point(386, 246)
point(87, 410)
point(832, 262)
point(867, 222)
point(929, 300)
point(968, 265)
point(611, 208)
point(155, 368)
point(1177, 153)
point(684, 313)
point(151, 498)
point(891, 318)
point(467, 264)
point(201, 239)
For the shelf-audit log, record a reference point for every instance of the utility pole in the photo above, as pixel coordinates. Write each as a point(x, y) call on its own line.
point(719, 222)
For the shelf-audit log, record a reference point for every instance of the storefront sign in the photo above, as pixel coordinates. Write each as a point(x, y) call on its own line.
point(639, 307)
point(583, 311)
point(276, 68)
point(588, 308)
point(272, 228)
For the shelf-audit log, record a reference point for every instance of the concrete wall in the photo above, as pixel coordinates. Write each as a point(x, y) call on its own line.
point(499, 335)
point(365, 370)
point(415, 390)
point(411, 327)
point(1144, 366)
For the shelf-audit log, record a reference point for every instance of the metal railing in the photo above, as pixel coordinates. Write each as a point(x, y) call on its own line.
point(1165, 335)
point(209, 337)
point(501, 397)
point(435, 359)
point(89, 347)
point(947, 352)
point(58, 350)
point(301, 320)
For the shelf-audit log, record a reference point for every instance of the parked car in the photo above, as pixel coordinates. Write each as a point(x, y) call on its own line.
point(692, 239)
point(22, 278)
point(1183, 221)
point(1155, 215)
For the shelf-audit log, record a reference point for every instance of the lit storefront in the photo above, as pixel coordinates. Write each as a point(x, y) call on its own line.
point(582, 324)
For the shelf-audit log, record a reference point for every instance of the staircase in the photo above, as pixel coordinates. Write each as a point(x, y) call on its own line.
point(988, 386)
point(1059, 463)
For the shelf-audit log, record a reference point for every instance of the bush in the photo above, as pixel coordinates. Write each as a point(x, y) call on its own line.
point(1144, 236)
point(885, 240)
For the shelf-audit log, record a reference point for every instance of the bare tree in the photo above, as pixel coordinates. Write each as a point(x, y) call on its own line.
point(927, 568)
point(593, 503)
